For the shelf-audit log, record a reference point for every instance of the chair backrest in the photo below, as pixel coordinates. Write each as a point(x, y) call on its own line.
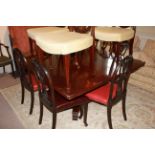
point(125, 48)
point(83, 29)
point(119, 78)
point(45, 84)
point(80, 29)
point(23, 68)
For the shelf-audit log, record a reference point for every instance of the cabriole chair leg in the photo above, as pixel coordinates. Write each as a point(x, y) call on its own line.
point(85, 114)
point(54, 120)
point(109, 117)
point(124, 108)
point(23, 94)
point(32, 103)
point(41, 113)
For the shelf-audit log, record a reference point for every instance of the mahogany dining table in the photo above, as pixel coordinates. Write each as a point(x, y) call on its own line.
point(87, 77)
point(84, 78)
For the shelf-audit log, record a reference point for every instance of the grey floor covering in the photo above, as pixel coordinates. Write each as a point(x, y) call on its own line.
point(8, 119)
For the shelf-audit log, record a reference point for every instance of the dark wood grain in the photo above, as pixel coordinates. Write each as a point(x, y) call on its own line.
point(87, 77)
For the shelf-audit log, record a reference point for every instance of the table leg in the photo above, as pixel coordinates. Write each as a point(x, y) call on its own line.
point(75, 113)
point(66, 59)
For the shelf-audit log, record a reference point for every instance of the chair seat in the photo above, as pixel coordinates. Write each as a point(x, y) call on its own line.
point(63, 43)
point(101, 94)
point(114, 34)
point(34, 32)
point(4, 60)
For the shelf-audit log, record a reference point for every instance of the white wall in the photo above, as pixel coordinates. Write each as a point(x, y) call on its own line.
point(4, 38)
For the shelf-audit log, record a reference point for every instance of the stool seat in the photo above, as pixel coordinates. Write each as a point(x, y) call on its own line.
point(114, 34)
point(63, 42)
point(34, 32)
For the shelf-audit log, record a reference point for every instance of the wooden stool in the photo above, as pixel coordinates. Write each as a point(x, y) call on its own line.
point(117, 39)
point(64, 43)
point(35, 32)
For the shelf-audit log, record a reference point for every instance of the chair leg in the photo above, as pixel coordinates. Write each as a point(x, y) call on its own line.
point(13, 72)
point(109, 116)
point(85, 114)
point(41, 113)
point(32, 102)
point(81, 112)
point(124, 108)
point(3, 69)
point(23, 94)
point(54, 120)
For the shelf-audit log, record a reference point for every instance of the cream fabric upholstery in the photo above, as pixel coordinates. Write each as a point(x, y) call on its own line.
point(63, 43)
point(33, 32)
point(113, 34)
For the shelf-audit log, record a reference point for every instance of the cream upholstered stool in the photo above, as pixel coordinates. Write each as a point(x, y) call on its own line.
point(87, 30)
point(116, 38)
point(35, 32)
point(64, 43)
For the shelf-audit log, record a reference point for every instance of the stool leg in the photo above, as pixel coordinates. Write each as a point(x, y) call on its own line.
point(131, 46)
point(40, 55)
point(31, 46)
point(76, 60)
point(66, 59)
point(50, 62)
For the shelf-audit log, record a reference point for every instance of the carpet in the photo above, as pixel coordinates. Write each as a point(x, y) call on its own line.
point(6, 80)
point(140, 112)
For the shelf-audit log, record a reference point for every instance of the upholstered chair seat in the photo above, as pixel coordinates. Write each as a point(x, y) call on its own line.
point(114, 34)
point(34, 32)
point(63, 43)
point(101, 95)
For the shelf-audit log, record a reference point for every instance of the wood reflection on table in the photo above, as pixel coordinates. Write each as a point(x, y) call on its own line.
point(86, 78)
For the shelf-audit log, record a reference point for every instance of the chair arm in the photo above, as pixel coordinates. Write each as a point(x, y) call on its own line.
point(3, 45)
point(7, 49)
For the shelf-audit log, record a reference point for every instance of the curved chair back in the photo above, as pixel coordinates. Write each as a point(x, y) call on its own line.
point(23, 68)
point(119, 79)
point(83, 29)
point(45, 84)
point(80, 29)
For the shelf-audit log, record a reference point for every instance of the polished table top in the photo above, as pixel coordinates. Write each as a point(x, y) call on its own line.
point(86, 78)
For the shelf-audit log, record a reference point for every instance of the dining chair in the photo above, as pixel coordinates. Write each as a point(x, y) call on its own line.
point(27, 78)
point(5, 60)
point(49, 98)
point(116, 89)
